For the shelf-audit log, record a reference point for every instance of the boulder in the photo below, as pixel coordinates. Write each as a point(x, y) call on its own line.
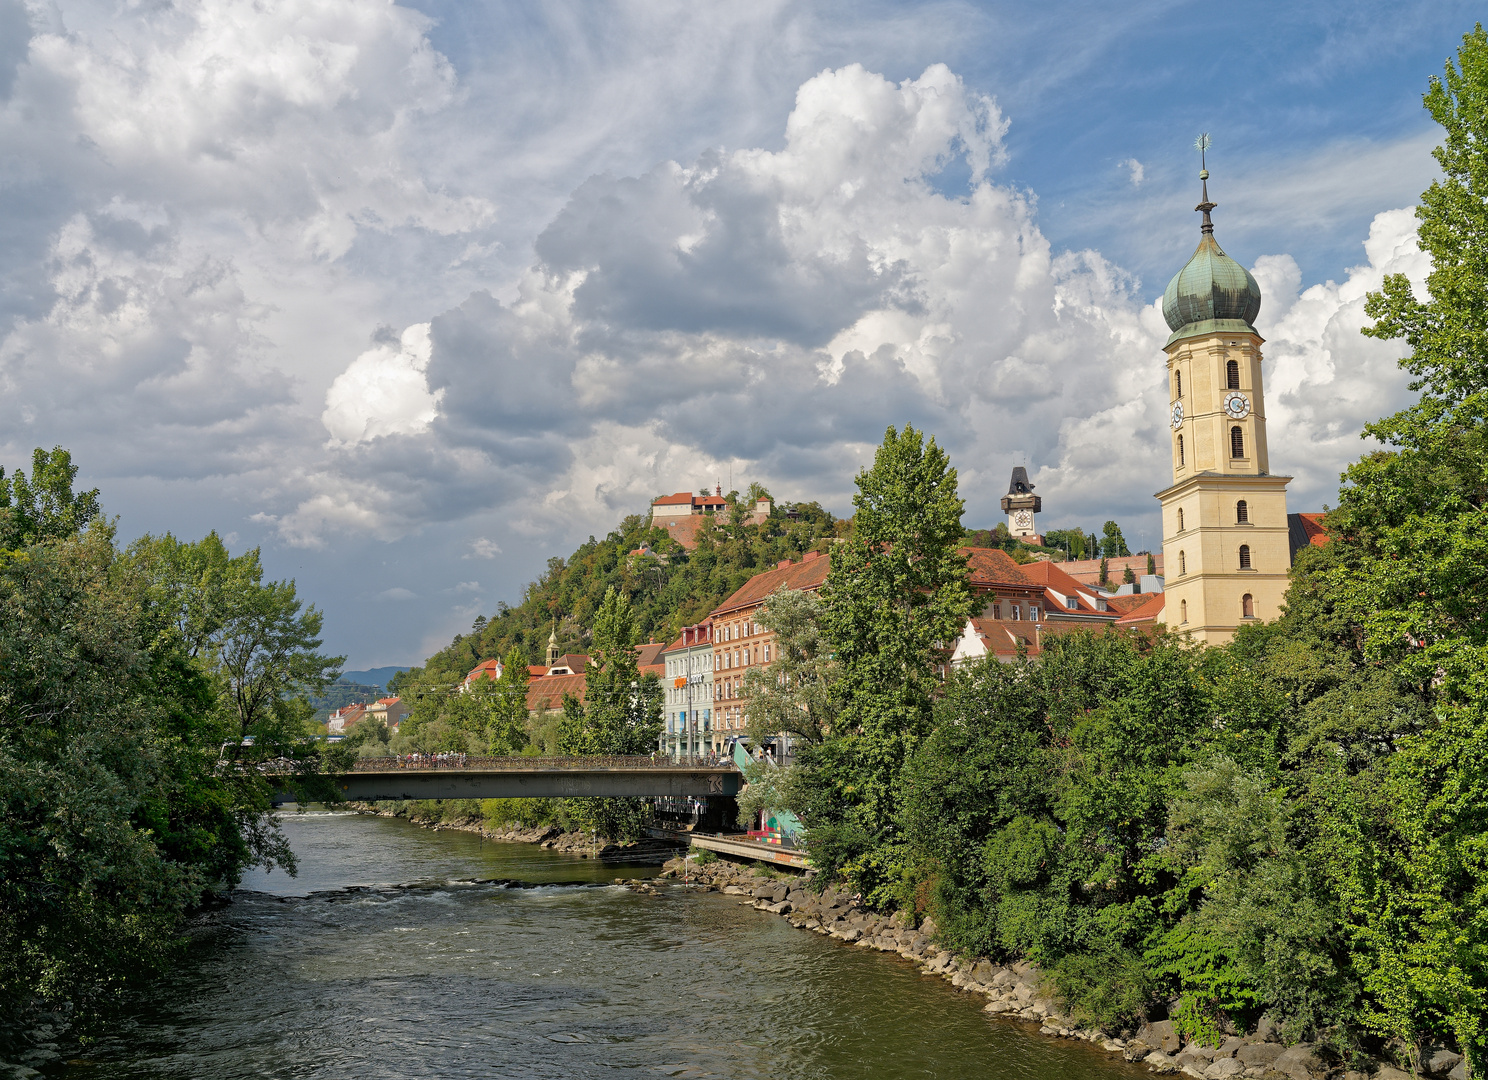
point(1229, 1047)
point(1440, 1060)
point(1194, 1054)
point(1136, 1050)
point(1298, 1062)
point(1161, 1034)
point(1223, 1068)
point(1459, 1071)
point(1254, 1055)
point(1160, 1063)
point(1192, 1070)
point(928, 927)
point(983, 971)
point(1390, 1072)
point(1267, 1030)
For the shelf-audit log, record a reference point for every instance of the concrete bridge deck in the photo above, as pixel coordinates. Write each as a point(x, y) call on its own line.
point(375, 779)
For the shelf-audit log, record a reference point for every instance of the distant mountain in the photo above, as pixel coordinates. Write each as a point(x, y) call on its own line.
point(377, 676)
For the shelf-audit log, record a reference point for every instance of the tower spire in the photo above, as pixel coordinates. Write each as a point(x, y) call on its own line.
point(1202, 144)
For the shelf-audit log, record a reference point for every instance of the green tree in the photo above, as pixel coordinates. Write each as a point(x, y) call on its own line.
point(896, 594)
point(45, 506)
point(795, 694)
point(1113, 544)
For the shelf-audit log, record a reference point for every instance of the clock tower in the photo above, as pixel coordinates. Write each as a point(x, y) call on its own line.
point(1225, 550)
point(1020, 504)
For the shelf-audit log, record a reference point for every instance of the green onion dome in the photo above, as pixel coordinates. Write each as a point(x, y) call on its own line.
point(1212, 292)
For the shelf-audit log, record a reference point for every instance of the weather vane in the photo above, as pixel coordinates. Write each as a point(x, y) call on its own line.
point(1201, 144)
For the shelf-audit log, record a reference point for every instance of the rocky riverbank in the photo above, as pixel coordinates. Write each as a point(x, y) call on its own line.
point(1017, 992)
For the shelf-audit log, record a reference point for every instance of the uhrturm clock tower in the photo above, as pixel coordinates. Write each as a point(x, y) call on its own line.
point(1225, 550)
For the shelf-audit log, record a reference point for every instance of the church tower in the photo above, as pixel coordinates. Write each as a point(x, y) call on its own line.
point(1225, 549)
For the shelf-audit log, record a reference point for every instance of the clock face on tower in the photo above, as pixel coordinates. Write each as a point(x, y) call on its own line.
point(1023, 519)
point(1236, 405)
point(1177, 414)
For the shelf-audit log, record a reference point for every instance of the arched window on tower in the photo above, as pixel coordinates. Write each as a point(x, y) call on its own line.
point(1232, 375)
point(1183, 611)
point(1244, 556)
point(1247, 607)
point(1177, 384)
point(1242, 513)
point(1182, 564)
point(1237, 442)
point(1180, 519)
point(1180, 451)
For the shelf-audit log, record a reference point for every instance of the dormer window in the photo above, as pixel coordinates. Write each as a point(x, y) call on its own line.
point(1072, 603)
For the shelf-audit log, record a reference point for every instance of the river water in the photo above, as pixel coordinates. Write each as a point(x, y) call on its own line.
point(405, 953)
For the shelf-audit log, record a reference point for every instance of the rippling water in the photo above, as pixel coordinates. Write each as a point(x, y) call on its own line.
point(394, 954)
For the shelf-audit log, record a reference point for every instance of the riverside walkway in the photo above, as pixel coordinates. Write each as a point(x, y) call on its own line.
point(459, 776)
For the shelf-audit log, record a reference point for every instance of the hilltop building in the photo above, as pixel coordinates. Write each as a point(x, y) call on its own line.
point(684, 514)
point(1225, 528)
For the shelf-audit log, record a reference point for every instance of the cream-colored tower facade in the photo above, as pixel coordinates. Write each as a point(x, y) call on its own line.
point(1225, 548)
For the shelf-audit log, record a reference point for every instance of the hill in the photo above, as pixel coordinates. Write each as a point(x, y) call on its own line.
point(669, 587)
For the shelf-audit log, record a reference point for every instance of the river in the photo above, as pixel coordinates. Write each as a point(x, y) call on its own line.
point(398, 952)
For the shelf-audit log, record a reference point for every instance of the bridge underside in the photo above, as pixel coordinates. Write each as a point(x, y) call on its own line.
point(534, 783)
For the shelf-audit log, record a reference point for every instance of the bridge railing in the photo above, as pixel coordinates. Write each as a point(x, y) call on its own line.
point(472, 762)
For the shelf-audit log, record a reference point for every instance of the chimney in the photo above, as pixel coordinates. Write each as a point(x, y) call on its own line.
point(782, 564)
point(810, 555)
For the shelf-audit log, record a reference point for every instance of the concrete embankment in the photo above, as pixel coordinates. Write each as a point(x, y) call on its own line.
point(1018, 991)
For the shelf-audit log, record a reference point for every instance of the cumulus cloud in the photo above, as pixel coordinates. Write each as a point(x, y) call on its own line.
point(1326, 380)
point(1135, 171)
point(770, 312)
point(483, 548)
point(383, 392)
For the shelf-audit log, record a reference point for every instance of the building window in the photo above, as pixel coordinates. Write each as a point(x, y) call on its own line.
point(1177, 384)
point(1242, 513)
point(1033, 614)
point(1180, 519)
point(1183, 611)
point(1247, 607)
point(1237, 442)
point(1072, 603)
point(1017, 613)
point(1244, 556)
point(1182, 564)
point(767, 653)
point(1180, 451)
point(1232, 376)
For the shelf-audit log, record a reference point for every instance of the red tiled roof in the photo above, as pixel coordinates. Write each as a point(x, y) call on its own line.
point(388, 700)
point(808, 574)
point(682, 498)
point(1055, 580)
point(575, 662)
point(1312, 524)
point(536, 671)
point(1145, 611)
point(1000, 638)
point(1130, 602)
point(993, 566)
point(647, 654)
point(546, 694)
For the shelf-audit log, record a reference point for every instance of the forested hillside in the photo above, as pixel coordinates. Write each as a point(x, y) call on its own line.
point(668, 589)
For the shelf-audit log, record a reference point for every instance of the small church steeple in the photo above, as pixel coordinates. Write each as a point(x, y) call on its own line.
point(553, 647)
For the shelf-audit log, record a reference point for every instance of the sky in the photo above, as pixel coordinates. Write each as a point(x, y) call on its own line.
point(416, 296)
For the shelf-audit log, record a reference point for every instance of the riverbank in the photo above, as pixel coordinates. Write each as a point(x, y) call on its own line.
point(1018, 992)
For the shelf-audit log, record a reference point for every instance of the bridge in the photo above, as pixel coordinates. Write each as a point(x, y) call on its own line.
point(464, 777)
